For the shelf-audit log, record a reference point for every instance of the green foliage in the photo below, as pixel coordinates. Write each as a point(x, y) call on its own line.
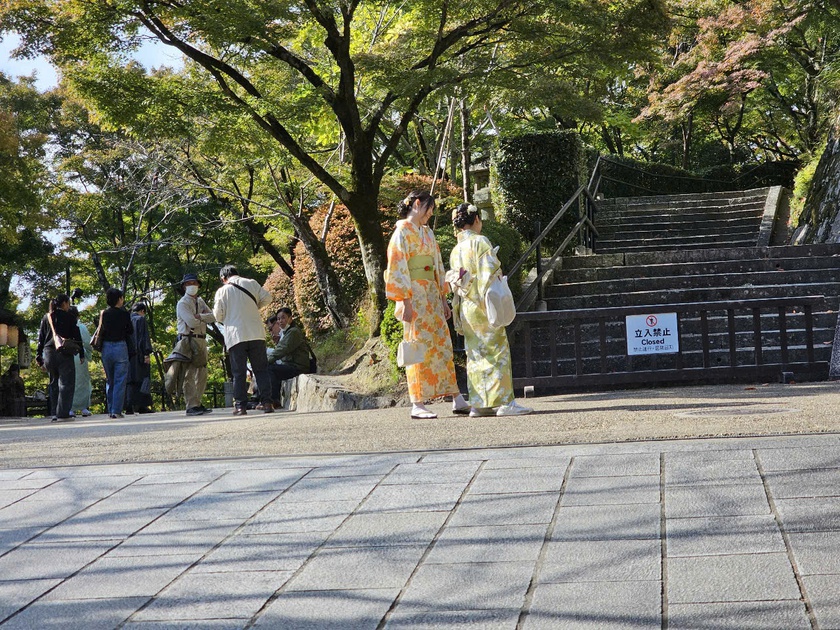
point(802, 186)
point(391, 331)
point(536, 174)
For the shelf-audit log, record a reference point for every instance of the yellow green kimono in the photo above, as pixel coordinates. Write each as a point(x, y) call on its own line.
point(413, 251)
point(488, 353)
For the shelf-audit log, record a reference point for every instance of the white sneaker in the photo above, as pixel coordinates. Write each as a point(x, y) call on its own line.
point(513, 409)
point(85, 413)
point(481, 412)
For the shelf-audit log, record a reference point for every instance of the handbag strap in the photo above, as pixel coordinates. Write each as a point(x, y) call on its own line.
point(246, 291)
point(101, 315)
point(52, 325)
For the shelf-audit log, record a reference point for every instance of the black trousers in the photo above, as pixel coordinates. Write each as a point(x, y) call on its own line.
point(280, 373)
point(255, 352)
point(62, 373)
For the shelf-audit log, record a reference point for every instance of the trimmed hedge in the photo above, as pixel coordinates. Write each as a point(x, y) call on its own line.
point(535, 174)
point(637, 178)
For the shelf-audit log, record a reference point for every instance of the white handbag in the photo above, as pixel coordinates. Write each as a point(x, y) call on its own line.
point(412, 351)
point(498, 301)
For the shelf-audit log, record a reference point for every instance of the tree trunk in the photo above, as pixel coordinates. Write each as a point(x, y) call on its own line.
point(334, 300)
point(368, 221)
point(466, 155)
point(687, 129)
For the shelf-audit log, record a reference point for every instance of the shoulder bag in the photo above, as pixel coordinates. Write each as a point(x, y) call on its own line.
point(96, 340)
point(65, 346)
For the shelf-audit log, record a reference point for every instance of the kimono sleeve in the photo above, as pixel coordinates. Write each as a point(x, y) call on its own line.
point(397, 277)
point(487, 266)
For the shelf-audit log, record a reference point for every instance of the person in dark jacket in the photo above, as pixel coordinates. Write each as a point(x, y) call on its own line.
point(117, 347)
point(290, 355)
point(139, 367)
point(59, 363)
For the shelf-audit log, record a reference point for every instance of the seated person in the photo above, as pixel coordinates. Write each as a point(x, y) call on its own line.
point(290, 355)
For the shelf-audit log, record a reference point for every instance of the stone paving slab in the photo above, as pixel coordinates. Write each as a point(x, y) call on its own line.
point(573, 536)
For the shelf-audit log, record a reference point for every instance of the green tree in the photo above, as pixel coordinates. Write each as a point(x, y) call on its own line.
point(318, 78)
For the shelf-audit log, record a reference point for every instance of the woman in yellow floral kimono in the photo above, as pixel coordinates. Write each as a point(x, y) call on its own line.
point(415, 281)
point(474, 265)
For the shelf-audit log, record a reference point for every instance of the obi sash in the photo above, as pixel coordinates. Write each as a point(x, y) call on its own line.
point(421, 268)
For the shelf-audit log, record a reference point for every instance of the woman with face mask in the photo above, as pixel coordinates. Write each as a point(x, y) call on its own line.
point(193, 317)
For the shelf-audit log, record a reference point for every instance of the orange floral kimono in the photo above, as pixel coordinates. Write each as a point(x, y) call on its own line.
point(413, 251)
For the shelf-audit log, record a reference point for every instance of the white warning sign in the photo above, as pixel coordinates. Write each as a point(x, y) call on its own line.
point(652, 334)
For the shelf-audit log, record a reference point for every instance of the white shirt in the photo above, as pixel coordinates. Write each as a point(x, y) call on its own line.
point(240, 315)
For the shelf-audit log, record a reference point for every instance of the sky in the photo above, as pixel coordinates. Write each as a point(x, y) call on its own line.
point(152, 54)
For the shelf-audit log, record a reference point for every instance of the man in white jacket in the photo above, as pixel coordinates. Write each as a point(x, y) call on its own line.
point(237, 305)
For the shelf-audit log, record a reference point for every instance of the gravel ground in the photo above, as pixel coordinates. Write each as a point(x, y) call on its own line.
point(684, 412)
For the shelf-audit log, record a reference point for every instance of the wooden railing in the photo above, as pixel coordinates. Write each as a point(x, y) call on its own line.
point(754, 344)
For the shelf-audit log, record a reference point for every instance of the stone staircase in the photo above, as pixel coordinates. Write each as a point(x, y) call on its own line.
point(648, 224)
point(684, 250)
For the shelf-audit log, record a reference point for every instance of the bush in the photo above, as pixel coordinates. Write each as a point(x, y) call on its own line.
point(391, 331)
point(535, 175)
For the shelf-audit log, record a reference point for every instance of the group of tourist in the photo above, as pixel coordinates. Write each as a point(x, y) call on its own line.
point(64, 349)
point(416, 282)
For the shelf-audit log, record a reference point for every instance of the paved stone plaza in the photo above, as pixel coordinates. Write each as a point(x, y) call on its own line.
point(706, 533)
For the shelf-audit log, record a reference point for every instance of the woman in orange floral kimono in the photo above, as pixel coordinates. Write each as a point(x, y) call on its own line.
point(415, 281)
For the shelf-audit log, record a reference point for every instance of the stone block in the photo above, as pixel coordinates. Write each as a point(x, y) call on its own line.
point(618, 465)
point(790, 615)
point(90, 614)
point(37, 561)
point(788, 484)
point(214, 596)
point(607, 522)
point(696, 501)
point(816, 553)
point(358, 568)
point(221, 506)
point(124, 576)
point(506, 543)
point(166, 536)
point(800, 458)
point(331, 489)
point(726, 535)
point(96, 524)
point(720, 472)
point(611, 490)
point(821, 514)
point(504, 509)
point(454, 620)
point(748, 577)
point(601, 561)
point(825, 598)
point(632, 605)
point(468, 586)
point(519, 480)
point(413, 498)
point(269, 480)
point(15, 594)
point(261, 552)
point(388, 528)
point(452, 472)
point(360, 609)
point(560, 462)
point(288, 517)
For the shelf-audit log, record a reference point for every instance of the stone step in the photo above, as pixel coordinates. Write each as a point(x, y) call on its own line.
point(699, 210)
point(685, 244)
point(705, 255)
point(676, 199)
point(676, 296)
point(709, 237)
point(664, 224)
point(691, 281)
point(828, 264)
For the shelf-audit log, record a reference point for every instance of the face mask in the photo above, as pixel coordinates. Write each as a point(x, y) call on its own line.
point(192, 290)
